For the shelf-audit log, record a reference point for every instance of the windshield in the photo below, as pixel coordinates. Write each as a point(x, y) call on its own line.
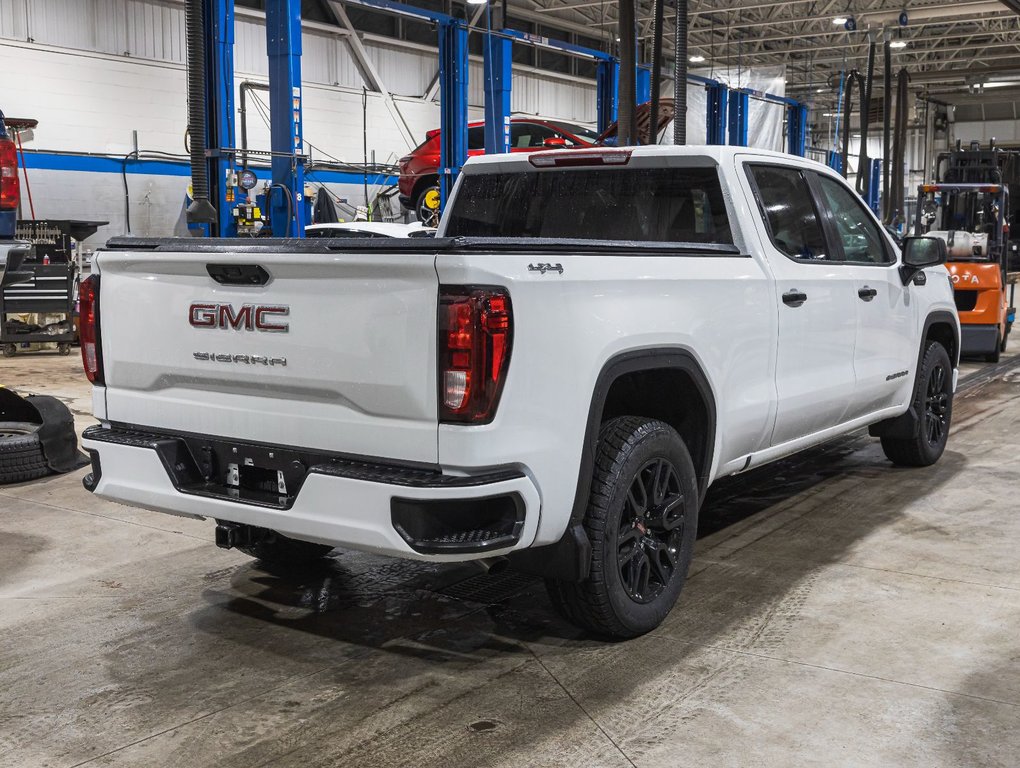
point(577, 130)
point(672, 205)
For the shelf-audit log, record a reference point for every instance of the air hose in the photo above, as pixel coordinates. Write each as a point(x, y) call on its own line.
point(200, 210)
point(886, 121)
point(864, 162)
point(680, 75)
point(853, 76)
point(895, 209)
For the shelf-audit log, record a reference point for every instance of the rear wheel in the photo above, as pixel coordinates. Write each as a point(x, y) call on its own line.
point(426, 206)
point(277, 549)
point(642, 520)
point(933, 402)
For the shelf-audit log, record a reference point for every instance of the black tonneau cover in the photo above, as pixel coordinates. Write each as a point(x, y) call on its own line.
point(531, 246)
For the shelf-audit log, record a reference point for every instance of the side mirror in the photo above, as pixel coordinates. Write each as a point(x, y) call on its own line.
point(554, 142)
point(921, 252)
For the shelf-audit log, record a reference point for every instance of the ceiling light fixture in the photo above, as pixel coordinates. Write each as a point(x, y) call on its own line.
point(696, 59)
point(839, 21)
point(898, 44)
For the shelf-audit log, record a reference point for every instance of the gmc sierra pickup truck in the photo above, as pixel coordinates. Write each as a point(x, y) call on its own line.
point(592, 339)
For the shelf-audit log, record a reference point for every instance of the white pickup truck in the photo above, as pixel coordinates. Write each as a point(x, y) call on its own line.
point(591, 340)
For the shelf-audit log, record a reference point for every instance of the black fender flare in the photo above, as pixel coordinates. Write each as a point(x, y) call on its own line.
point(906, 425)
point(569, 558)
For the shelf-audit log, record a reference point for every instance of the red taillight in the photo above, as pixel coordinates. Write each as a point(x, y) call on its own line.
point(475, 336)
point(10, 186)
point(88, 329)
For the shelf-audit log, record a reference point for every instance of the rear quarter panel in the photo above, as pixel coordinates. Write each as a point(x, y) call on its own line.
point(568, 326)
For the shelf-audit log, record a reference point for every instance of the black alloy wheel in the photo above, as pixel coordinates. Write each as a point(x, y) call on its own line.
point(936, 407)
point(651, 531)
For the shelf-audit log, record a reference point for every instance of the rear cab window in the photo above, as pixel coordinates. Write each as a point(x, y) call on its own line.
point(628, 204)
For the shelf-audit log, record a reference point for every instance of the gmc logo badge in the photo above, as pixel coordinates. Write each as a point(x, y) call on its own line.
point(249, 317)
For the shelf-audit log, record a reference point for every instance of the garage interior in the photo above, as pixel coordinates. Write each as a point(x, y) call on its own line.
point(838, 611)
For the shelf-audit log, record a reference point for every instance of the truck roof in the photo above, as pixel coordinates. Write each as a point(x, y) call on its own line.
point(719, 153)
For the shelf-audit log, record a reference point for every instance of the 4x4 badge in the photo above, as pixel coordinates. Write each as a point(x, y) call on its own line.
point(543, 268)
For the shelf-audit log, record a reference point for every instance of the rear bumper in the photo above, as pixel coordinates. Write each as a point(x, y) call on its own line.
point(403, 512)
point(978, 339)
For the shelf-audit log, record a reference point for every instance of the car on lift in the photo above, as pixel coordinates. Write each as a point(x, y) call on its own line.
point(973, 221)
point(10, 192)
point(369, 229)
point(419, 171)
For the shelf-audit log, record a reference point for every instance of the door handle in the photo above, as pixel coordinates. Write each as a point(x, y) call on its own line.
point(794, 298)
point(867, 294)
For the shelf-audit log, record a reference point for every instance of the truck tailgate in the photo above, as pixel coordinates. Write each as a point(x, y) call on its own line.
point(341, 359)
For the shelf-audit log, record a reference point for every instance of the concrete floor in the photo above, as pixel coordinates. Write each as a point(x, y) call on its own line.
point(841, 612)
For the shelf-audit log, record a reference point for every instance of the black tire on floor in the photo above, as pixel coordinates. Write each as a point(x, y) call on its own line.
point(1005, 341)
point(642, 520)
point(21, 453)
point(277, 549)
point(933, 402)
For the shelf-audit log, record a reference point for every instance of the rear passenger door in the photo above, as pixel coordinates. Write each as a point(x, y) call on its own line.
point(885, 352)
point(815, 301)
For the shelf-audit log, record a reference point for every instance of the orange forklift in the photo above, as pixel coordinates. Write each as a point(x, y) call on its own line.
point(973, 220)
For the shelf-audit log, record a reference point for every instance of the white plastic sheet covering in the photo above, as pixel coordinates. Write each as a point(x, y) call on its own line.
point(765, 120)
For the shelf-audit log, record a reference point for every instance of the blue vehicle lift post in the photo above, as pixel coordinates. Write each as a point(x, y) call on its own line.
point(283, 43)
point(715, 112)
point(796, 129)
point(644, 85)
point(737, 128)
point(497, 55)
point(607, 86)
point(453, 103)
point(219, 29)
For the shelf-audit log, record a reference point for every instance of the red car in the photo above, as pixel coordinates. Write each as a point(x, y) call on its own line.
point(419, 180)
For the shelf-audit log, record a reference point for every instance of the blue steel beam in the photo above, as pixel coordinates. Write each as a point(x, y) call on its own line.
point(643, 82)
point(219, 31)
point(715, 112)
point(497, 54)
point(737, 128)
point(607, 87)
point(453, 103)
point(796, 130)
point(283, 43)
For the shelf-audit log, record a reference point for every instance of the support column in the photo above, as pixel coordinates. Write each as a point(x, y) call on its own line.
point(607, 83)
point(715, 113)
point(497, 56)
point(796, 130)
point(739, 103)
point(453, 103)
point(283, 43)
point(644, 85)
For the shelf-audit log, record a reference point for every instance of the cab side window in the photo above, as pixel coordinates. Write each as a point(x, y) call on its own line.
point(858, 232)
point(788, 209)
point(528, 135)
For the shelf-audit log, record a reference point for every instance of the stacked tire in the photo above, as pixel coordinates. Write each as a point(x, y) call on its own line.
point(21, 453)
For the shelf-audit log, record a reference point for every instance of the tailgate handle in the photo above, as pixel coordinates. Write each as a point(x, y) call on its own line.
point(238, 274)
